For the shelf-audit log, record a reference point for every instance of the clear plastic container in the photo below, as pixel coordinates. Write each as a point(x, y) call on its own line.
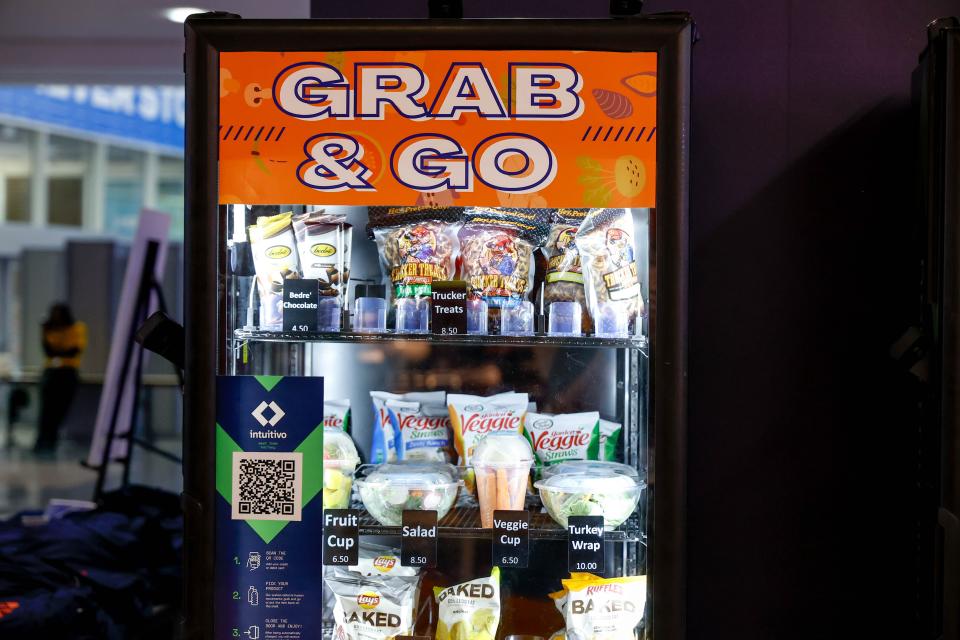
point(501, 464)
point(590, 467)
point(340, 460)
point(608, 493)
point(414, 485)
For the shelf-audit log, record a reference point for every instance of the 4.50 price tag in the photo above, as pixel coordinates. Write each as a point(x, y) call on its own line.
point(585, 544)
point(341, 537)
point(511, 539)
point(300, 305)
point(418, 541)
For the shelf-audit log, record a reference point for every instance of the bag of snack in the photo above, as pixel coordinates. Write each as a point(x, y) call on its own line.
point(563, 281)
point(603, 608)
point(371, 607)
point(417, 245)
point(336, 413)
point(473, 417)
point(323, 242)
point(564, 436)
point(383, 446)
point(608, 256)
point(425, 432)
point(377, 560)
point(609, 438)
point(497, 248)
point(471, 610)
point(275, 259)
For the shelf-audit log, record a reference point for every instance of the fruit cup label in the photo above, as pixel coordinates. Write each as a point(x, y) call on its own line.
point(341, 537)
point(418, 539)
point(488, 128)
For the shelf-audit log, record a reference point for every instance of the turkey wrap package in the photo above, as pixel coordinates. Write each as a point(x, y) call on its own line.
point(469, 611)
point(605, 241)
point(274, 249)
point(417, 245)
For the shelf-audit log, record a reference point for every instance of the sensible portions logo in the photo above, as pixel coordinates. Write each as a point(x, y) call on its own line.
point(510, 162)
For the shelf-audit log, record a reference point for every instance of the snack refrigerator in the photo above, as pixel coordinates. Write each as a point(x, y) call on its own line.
point(435, 380)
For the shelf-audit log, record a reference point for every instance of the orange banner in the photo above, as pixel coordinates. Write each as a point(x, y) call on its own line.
point(490, 128)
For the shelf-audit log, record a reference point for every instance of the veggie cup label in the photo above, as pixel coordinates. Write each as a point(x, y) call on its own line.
point(341, 537)
point(511, 539)
point(585, 544)
point(418, 539)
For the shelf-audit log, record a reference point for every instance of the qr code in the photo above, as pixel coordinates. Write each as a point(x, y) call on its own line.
point(267, 486)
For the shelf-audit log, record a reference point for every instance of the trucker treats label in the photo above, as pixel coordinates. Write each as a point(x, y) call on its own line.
point(509, 128)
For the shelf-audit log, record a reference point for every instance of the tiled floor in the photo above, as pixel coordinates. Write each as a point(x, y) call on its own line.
point(28, 482)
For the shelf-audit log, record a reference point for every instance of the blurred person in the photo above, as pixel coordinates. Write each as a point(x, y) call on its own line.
point(64, 340)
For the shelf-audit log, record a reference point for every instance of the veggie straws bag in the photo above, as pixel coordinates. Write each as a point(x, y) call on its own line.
point(323, 242)
point(469, 611)
point(473, 417)
point(336, 413)
point(497, 252)
point(417, 245)
point(607, 251)
point(274, 259)
point(562, 437)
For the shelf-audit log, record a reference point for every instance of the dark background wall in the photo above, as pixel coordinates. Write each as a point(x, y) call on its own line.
point(801, 444)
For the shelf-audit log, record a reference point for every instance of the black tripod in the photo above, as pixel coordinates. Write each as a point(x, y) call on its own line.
point(147, 288)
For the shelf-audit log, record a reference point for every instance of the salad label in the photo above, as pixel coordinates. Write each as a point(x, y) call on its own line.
point(418, 539)
point(585, 544)
point(511, 539)
point(300, 305)
point(341, 537)
point(448, 308)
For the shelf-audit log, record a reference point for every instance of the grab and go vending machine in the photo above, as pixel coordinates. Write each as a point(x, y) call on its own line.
point(437, 328)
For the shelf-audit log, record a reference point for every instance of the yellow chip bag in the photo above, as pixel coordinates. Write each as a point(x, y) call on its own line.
point(602, 608)
point(471, 610)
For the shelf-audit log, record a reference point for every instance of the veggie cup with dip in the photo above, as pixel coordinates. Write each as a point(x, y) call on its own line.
point(607, 491)
point(392, 488)
point(340, 460)
point(501, 463)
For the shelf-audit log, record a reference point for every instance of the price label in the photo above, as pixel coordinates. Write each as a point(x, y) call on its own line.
point(341, 537)
point(448, 307)
point(511, 539)
point(585, 544)
point(300, 305)
point(418, 541)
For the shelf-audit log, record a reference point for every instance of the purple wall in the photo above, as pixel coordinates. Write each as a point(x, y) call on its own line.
point(801, 449)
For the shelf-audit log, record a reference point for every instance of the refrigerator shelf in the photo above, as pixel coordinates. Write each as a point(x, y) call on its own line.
point(639, 342)
point(464, 522)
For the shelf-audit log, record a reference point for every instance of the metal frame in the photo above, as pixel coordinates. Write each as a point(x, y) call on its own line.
point(670, 35)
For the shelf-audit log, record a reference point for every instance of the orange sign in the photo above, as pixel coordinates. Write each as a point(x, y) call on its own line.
point(491, 128)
